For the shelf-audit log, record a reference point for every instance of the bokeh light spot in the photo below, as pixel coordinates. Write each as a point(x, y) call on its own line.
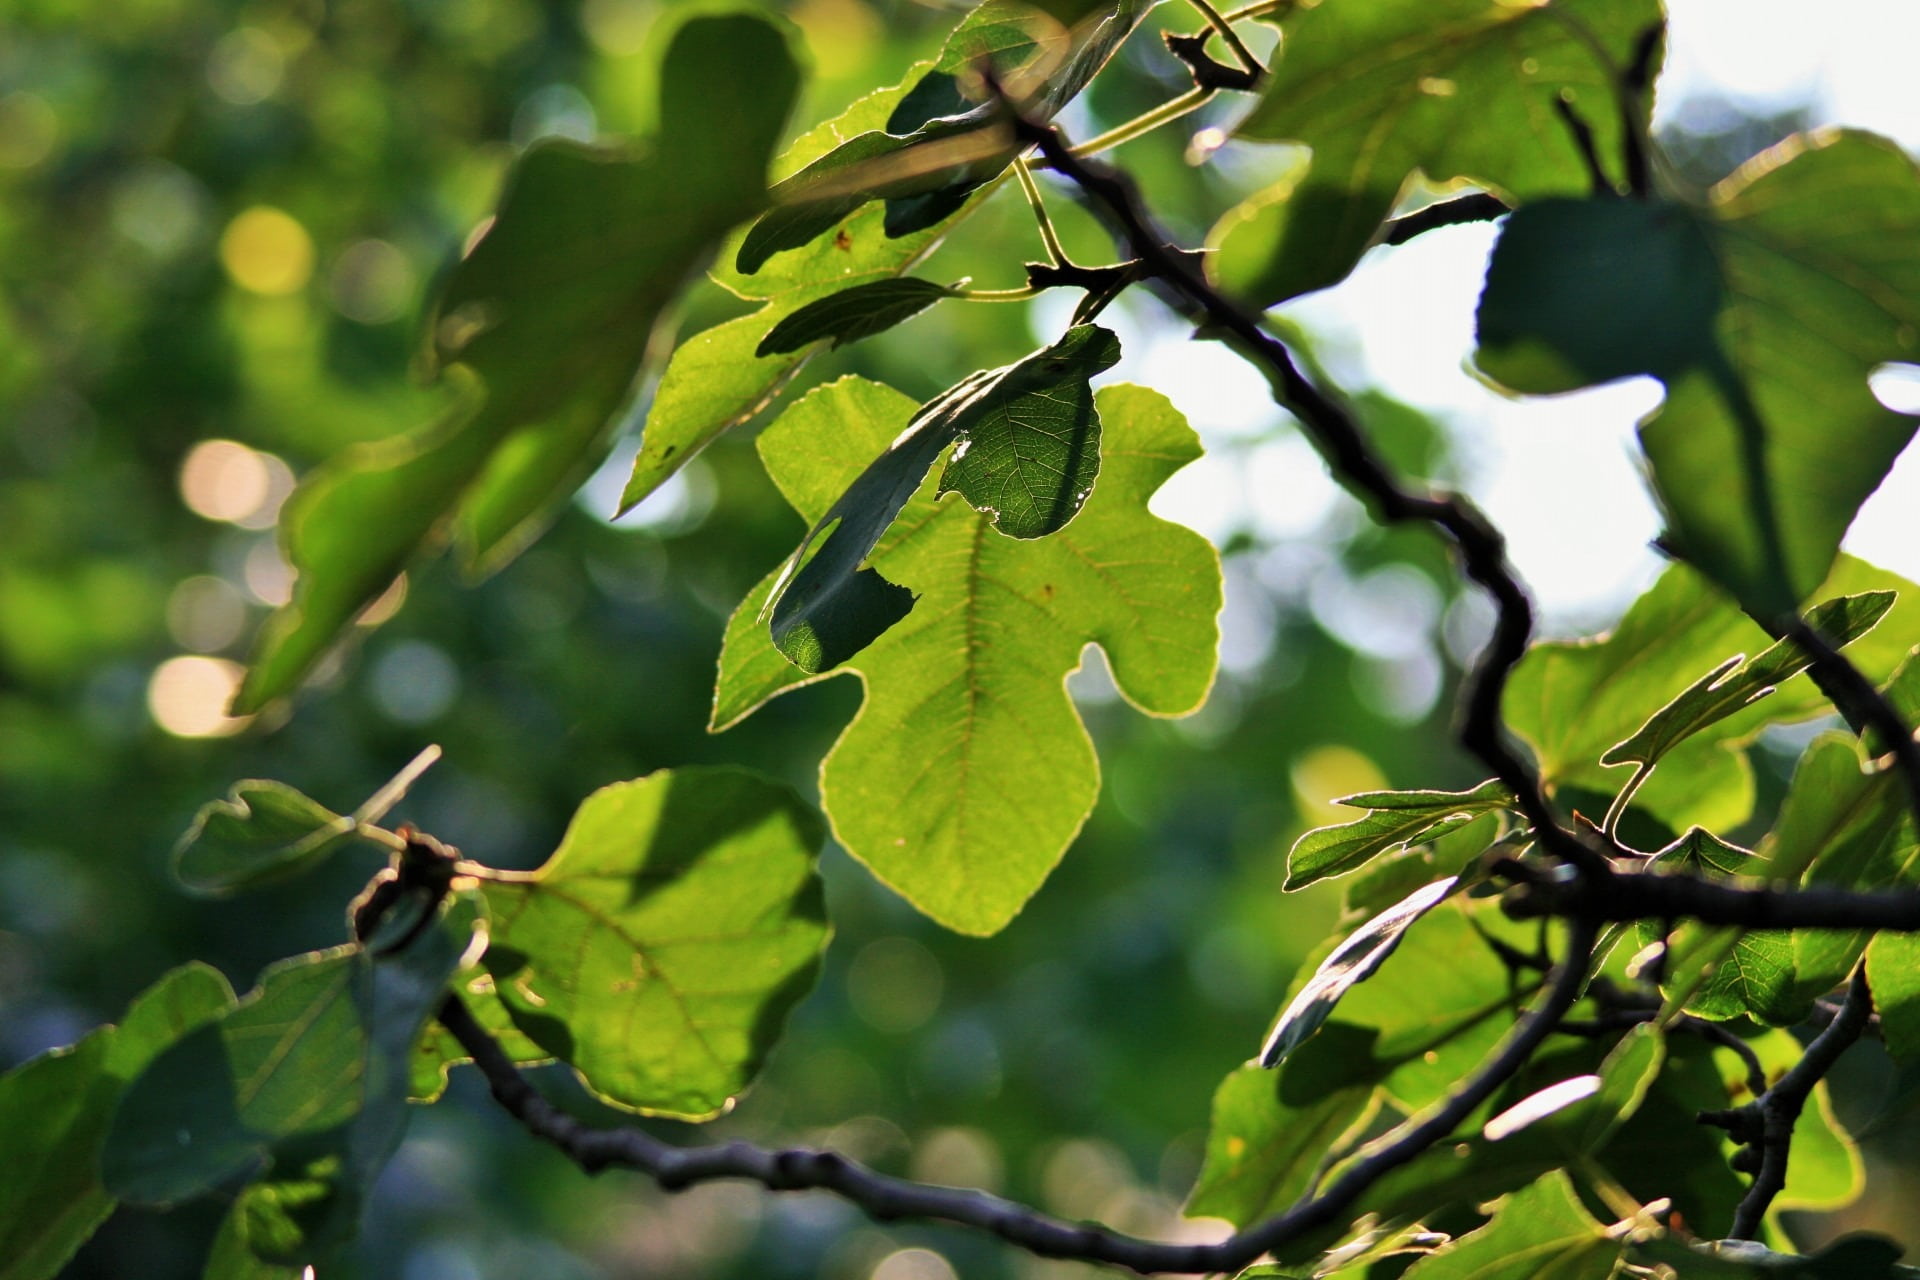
point(895, 984)
point(225, 480)
point(29, 129)
point(206, 614)
point(188, 696)
point(1327, 773)
point(914, 1264)
point(246, 66)
point(266, 251)
point(618, 27)
point(371, 282)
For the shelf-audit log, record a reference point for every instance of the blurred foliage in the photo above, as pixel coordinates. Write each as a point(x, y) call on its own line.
point(222, 221)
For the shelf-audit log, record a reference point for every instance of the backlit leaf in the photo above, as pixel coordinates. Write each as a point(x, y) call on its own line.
point(661, 946)
point(549, 316)
point(1769, 438)
point(1455, 91)
point(967, 773)
point(1270, 1136)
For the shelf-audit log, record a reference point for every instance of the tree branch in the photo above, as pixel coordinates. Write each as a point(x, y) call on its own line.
point(886, 1197)
point(1355, 463)
point(1779, 1107)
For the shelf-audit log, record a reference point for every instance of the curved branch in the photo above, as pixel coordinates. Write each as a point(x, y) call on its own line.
point(886, 1197)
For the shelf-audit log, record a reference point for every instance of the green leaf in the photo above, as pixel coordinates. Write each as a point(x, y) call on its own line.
point(967, 773)
point(320, 1045)
point(717, 379)
point(1574, 701)
point(1726, 973)
point(1752, 287)
point(1353, 961)
point(662, 945)
point(1271, 1135)
point(263, 831)
point(1026, 449)
point(1736, 684)
point(937, 147)
point(853, 314)
point(436, 1052)
point(1540, 1231)
point(1893, 971)
point(550, 316)
point(55, 1109)
point(1397, 817)
point(1852, 1257)
point(232, 1256)
point(1456, 91)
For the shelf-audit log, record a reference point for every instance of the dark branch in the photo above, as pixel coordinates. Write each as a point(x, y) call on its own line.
point(1863, 706)
point(1653, 895)
point(1355, 463)
point(1583, 142)
point(1779, 1108)
point(1635, 83)
point(1208, 72)
point(1478, 207)
point(887, 1198)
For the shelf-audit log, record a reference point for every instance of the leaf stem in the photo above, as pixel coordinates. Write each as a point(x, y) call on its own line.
point(1048, 236)
point(998, 295)
point(1167, 112)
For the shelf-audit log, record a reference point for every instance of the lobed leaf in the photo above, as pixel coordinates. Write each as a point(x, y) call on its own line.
point(55, 1111)
point(967, 773)
point(549, 316)
point(1893, 972)
point(1453, 92)
point(1026, 449)
point(1769, 438)
point(660, 948)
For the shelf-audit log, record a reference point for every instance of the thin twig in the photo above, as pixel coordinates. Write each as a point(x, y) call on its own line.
point(1583, 142)
point(1146, 122)
point(886, 1197)
point(1478, 207)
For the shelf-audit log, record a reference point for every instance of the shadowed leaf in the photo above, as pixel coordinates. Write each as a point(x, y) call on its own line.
point(1454, 91)
point(549, 316)
point(1769, 438)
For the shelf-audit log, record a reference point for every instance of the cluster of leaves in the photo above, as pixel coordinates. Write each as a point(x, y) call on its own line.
point(960, 556)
